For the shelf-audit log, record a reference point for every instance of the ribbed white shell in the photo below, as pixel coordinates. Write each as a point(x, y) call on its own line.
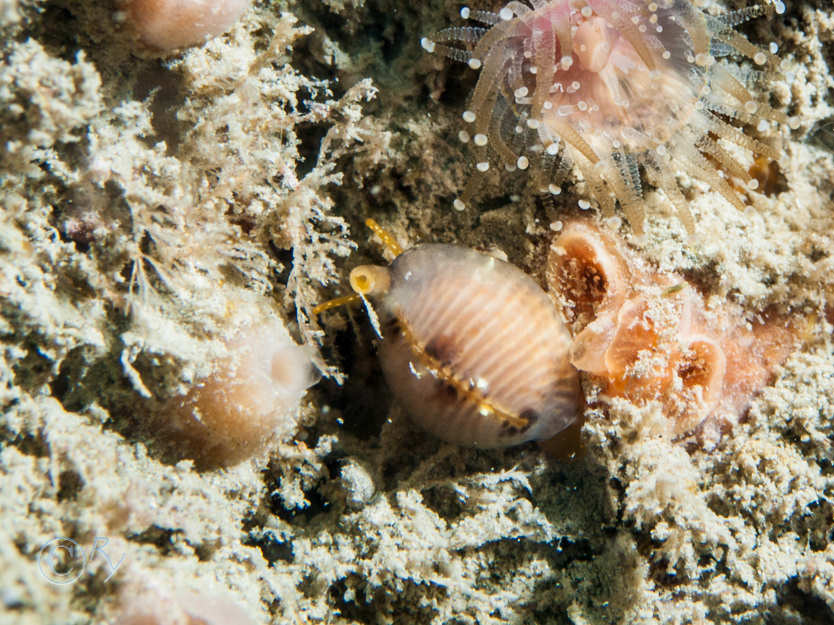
point(464, 331)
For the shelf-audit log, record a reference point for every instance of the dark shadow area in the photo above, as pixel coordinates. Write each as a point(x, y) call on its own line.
point(797, 607)
point(163, 538)
point(164, 90)
point(272, 548)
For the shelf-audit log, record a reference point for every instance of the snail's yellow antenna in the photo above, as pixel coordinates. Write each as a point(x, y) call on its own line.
point(366, 279)
point(387, 239)
point(335, 303)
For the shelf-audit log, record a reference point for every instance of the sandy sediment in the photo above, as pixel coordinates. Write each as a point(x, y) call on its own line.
point(152, 207)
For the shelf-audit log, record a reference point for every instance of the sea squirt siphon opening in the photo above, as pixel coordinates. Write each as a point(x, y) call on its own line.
point(370, 280)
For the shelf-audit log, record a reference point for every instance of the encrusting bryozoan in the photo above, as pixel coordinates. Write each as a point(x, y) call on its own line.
point(172, 24)
point(607, 87)
point(250, 398)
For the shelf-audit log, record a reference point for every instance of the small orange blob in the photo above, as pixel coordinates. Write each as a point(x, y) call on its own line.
point(153, 602)
point(173, 24)
point(648, 336)
point(250, 398)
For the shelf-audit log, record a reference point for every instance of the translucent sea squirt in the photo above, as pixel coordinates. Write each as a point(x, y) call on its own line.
point(252, 397)
point(172, 24)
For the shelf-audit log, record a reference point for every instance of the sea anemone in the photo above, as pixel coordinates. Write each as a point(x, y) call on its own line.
point(648, 336)
point(168, 25)
point(252, 397)
point(610, 86)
